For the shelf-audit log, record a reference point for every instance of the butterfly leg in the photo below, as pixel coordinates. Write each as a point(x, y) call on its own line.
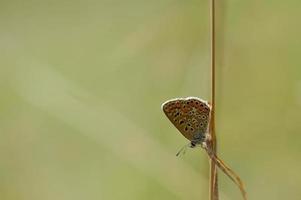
point(208, 137)
point(210, 104)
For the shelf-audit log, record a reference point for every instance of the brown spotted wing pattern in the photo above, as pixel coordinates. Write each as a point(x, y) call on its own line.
point(189, 115)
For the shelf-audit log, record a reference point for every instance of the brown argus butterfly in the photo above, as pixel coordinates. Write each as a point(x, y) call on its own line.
point(191, 116)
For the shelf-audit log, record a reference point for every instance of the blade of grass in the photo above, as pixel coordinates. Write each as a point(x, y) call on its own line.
point(213, 191)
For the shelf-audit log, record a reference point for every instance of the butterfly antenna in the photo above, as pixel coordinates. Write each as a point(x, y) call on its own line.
point(182, 150)
point(231, 174)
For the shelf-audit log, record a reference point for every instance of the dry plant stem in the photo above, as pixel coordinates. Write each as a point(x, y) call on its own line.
point(230, 173)
point(212, 144)
point(213, 191)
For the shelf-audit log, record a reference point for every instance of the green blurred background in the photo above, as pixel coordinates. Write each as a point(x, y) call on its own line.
point(82, 83)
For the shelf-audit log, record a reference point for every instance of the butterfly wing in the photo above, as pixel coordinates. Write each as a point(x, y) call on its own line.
point(189, 115)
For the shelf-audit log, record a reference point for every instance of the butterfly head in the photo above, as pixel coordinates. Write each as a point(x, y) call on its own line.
point(192, 144)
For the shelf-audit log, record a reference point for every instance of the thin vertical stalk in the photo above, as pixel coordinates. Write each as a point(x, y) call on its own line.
point(213, 192)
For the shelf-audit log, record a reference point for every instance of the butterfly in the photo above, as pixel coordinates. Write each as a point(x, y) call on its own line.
point(191, 116)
